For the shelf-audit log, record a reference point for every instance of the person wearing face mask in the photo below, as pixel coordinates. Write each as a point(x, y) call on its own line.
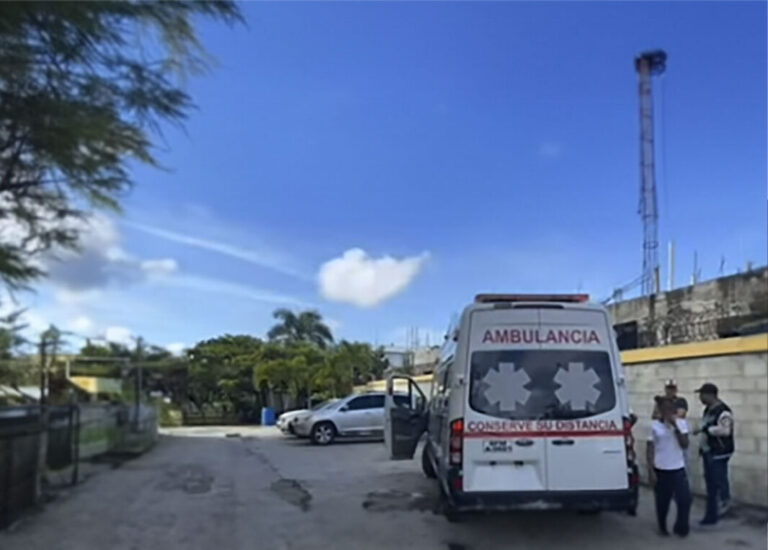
point(666, 466)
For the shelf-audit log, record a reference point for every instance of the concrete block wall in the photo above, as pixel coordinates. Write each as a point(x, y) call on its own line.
point(106, 428)
point(100, 429)
point(743, 381)
point(708, 310)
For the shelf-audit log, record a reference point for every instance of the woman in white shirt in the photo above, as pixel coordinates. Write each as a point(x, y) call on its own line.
point(666, 466)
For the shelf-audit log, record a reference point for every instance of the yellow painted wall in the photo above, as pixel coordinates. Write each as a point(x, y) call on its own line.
point(94, 384)
point(713, 348)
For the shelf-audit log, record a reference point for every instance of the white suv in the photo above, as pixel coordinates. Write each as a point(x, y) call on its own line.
point(357, 415)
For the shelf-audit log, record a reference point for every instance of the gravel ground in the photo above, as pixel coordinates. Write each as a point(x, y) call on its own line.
point(247, 488)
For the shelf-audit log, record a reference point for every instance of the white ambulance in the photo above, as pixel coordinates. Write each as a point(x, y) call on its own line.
point(528, 410)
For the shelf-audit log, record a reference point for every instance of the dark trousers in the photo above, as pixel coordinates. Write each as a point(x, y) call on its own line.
point(673, 484)
point(718, 488)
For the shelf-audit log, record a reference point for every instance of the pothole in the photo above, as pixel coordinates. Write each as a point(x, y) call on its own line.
point(190, 478)
point(292, 492)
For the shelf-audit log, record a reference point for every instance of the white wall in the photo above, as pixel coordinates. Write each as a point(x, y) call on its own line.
point(743, 383)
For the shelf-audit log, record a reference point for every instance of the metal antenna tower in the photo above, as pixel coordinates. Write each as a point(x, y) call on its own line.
point(648, 64)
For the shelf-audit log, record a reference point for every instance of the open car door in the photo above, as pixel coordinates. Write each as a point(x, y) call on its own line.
point(405, 416)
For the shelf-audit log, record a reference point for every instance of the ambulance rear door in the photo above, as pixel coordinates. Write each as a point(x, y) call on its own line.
point(502, 449)
point(585, 446)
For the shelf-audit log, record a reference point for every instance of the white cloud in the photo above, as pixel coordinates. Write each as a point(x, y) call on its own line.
point(217, 286)
point(69, 297)
point(260, 258)
point(176, 347)
point(81, 324)
point(36, 323)
point(165, 266)
point(119, 335)
point(333, 324)
point(550, 150)
point(361, 280)
point(100, 260)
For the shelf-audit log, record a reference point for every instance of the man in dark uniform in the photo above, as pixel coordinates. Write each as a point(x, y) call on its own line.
point(681, 405)
point(716, 447)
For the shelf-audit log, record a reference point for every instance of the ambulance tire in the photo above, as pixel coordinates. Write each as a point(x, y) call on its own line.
point(452, 515)
point(426, 463)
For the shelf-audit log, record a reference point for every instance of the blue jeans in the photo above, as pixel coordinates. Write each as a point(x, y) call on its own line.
point(669, 484)
point(718, 488)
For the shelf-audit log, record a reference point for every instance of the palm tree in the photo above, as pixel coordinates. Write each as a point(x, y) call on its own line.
point(307, 326)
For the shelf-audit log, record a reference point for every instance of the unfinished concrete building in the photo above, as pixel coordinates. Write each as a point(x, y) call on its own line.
point(736, 305)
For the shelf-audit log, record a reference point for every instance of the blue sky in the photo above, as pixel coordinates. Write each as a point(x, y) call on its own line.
point(461, 147)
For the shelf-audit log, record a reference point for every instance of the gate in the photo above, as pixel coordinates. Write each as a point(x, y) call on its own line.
point(19, 440)
point(19, 445)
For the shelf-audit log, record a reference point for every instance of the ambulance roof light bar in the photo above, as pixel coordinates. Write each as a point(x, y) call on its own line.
point(569, 298)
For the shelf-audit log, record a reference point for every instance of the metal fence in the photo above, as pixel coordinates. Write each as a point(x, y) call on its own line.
point(19, 447)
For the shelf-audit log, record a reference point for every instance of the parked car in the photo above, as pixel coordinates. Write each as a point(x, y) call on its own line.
point(286, 420)
point(355, 416)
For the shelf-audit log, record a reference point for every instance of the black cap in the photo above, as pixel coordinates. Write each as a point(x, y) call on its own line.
point(670, 383)
point(708, 388)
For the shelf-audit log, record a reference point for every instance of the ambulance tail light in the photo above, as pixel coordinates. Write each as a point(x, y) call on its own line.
point(629, 442)
point(456, 455)
point(456, 446)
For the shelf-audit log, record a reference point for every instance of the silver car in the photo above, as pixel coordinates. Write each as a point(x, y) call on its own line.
point(355, 416)
point(286, 420)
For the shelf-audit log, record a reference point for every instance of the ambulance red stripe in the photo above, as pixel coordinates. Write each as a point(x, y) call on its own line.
point(573, 433)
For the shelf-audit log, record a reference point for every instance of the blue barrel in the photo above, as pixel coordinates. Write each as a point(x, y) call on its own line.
point(267, 416)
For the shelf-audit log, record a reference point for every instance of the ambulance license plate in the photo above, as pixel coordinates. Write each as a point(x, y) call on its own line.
point(497, 446)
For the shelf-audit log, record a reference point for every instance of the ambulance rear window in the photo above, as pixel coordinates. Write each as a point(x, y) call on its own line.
point(541, 384)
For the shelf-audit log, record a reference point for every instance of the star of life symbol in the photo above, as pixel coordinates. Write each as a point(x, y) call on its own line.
point(505, 386)
point(577, 386)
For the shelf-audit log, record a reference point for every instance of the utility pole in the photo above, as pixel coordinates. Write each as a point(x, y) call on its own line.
point(42, 444)
point(671, 266)
point(648, 64)
point(137, 398)
point(695, 274)
point(51, 337)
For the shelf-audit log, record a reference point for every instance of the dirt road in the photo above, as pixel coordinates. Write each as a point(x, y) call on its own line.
point(205, 489)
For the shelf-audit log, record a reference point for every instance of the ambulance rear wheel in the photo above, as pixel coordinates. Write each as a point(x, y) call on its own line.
point(452, 515)
point(426, 463)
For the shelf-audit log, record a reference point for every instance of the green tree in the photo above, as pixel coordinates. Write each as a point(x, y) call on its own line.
point(221, 371)
point(84, 88)
point(358, 358)
point(10, 334)
point(108, 349)
point(116, 359)
point(307, 326)
point(289, 369)
point(333, 380)
point(154, 353)
point(12, 370)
